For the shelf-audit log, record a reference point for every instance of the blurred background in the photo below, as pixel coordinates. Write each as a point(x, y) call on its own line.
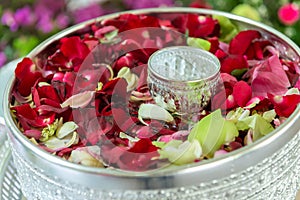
point(25, 23)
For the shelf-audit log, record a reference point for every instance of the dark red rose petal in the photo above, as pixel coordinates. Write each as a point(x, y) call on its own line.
point(26, 74)
point(25, 111)
point(48, 92)
point(197, 26)
point(233, 62)
point(241, 42)
point(144, 145)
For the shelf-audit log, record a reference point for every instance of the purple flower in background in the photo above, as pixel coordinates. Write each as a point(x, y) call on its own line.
point(45, 24)
point(23, 16)
point(50, 6)
point(8, 19)
point(137, 4)
point(3, 59)
point(41, 11)
point(89, 12)
point(62, 21)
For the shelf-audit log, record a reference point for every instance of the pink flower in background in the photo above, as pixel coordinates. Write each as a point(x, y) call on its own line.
point(2, 59)
point(289, 13)
point(62, 21)
point(89, 12)
point(8, 19)
point(137, 4)
point(45, 24)
point(23, 16)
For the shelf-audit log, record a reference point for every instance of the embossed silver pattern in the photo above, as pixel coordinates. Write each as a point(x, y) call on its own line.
point(275, 178)
point(9, 183)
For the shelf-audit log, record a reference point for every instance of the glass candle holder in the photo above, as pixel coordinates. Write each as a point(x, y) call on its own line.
point(183, 79)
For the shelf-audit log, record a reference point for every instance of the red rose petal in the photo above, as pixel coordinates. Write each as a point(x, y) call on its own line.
point(197, 26)
point(48, 92)
point(144, 145)
point(242, 93)
point(74, 47)
point(26, 74)
point(233, 62)
point(285, 105)
point(241, 42)
point(25, 111)
point(214, 44)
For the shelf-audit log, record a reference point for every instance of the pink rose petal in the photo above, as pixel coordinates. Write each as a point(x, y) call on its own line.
point(270, 77)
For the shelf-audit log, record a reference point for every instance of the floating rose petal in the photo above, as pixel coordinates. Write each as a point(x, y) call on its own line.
point(179, 153)
point(88, 156)
point(29, 117)
point(241, 42)
point(233, 62)
point(285, 105)
point(242, 93)
point(79, 100)
point(264, 75)
point(152, 111)
point(57, 144)
point(27, 74)
point(36, 134)
point(130, 77)
point(73, 48)
point(197, 26)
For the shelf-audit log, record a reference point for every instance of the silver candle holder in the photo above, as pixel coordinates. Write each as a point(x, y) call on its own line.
point(183, 79)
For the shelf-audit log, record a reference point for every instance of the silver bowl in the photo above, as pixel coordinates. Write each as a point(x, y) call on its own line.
point(266, 169)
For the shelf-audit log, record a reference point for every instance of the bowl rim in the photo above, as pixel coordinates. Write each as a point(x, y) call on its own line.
point(233, 162)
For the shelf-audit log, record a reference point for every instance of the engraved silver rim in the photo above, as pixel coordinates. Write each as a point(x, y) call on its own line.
point(165, 178)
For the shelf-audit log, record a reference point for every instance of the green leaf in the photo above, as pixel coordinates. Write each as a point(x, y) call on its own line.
point(25, 44)
point(212, 132)
point(159, 144)
point(237, 114)
point(110, 37)
point(131, 78)
point(56, 144)
point(88, 156)
point(179, 153)
point(79, 100)
point(245, 10)
point(269, 115)
point(199, 43)
point(128, 137)
point(257, 123)
point(228, 29)
point(238, 73)
point(152, 111)
point(66, 129)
